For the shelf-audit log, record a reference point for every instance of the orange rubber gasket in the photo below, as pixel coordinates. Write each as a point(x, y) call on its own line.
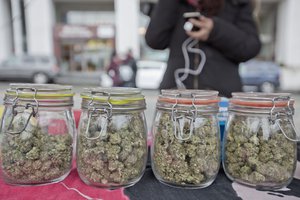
point(189, 101)
point(261, 103)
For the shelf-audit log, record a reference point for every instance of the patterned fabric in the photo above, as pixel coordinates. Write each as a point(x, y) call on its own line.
point(71, 188)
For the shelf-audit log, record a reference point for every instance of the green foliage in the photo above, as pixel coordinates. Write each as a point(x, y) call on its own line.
point(259, 155)
point(194, 161)
point(34, 156)
point(116, 158)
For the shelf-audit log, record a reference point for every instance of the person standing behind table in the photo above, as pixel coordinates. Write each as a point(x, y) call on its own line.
point(113, 69)
point(227, 36)
point(130, 61)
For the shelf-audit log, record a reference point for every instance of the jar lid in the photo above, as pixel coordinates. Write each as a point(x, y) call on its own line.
point(189, 97)
point(182, 100)
point(39, 95)
point(117, 97)
point(262, 100)
point(39, 91)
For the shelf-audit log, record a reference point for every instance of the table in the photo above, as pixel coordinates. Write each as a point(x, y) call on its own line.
point(148, 188)
point(222, 189)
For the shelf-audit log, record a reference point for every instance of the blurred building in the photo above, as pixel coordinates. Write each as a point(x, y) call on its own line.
point(83, 33)
point(80, 33)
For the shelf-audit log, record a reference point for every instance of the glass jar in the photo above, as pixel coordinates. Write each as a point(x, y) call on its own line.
point(186, 147)
point(36, 134)
point(260, 140)
point(112, 137)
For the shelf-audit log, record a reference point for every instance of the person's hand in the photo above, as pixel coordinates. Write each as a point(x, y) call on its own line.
point(205, 24)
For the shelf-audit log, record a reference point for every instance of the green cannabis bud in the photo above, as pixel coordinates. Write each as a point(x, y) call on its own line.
point(257, 152)
point(33, 156)
point(114, 157)
point(194, 161)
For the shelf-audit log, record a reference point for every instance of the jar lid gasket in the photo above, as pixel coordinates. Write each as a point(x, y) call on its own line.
point(39, 91)
point(116, 97)
point(189, 97)
point(261, 100)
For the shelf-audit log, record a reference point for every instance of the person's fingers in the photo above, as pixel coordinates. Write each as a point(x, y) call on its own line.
point(204, 22)
point(205, 25)
point(197, 23)
point(196, 34)
point(191, 34)
point(203, 18)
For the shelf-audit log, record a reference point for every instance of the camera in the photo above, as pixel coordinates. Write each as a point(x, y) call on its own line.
point(188, 26)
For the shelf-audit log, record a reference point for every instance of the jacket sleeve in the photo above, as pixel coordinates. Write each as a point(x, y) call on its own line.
point(163, 20)
point(239, 41)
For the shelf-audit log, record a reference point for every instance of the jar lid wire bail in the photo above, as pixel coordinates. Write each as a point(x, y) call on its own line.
point(94, 112)
point(26, 106)
point(289, 112)
point(190, 115)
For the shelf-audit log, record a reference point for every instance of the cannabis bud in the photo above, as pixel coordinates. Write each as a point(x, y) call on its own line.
point(115, 156)
point(192, 160)
point(30, 155)
point(258, 153)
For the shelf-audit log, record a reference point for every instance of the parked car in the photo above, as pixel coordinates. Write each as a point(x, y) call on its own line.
point(38, 69)
point(264, 75)
point(150, 73)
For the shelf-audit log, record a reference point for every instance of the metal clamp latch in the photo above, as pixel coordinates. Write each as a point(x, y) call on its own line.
point(275, 117)
point(34, 110)
point(94, 112)
point(189, 114)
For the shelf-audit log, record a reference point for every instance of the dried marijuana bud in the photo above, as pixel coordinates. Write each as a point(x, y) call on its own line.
point(118, 156)
point(34, 156)
point(257, 152)
point(194, 161)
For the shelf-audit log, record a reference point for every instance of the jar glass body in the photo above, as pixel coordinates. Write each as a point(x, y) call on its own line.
point(258, 151)
point(185, 151)
point(112, 149)
point(36, 144)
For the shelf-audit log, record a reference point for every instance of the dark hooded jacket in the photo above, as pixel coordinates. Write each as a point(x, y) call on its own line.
point(234, 39)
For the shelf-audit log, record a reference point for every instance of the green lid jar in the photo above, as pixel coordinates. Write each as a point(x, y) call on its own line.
point(36, 134)
point(112, 137)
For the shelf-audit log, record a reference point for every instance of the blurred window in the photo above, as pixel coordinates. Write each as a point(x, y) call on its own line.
point(28, 59)
point(44, 60)
point(13, 61)
point(91, 18)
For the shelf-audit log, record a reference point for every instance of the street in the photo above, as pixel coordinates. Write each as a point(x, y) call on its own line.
point(151, 98)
